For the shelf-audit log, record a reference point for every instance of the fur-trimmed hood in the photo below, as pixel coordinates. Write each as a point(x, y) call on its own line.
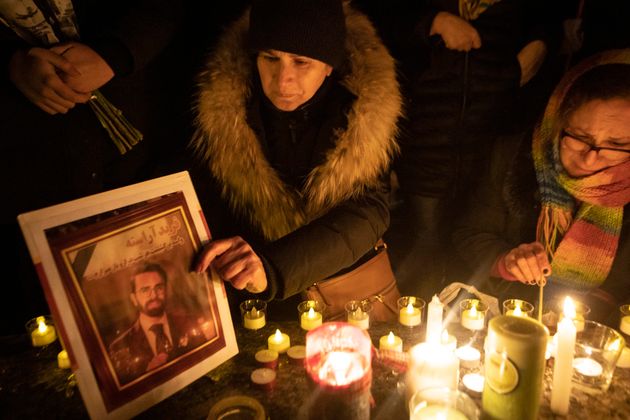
point(233, 154)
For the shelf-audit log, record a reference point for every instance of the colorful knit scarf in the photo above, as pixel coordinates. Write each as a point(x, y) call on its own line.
point(471, 9)
point(580, 220)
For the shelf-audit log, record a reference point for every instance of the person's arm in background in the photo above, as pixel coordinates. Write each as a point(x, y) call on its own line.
point(542, 32)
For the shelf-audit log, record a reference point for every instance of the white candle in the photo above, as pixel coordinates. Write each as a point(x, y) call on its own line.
point(448, 341)
point(468, 356)
point(472, 318)
point(434, 320)
point(473, 382)
point(563, 364)
point(517, 310)
point(254, 319)
point(432, 365)
point(624, 359)
point(410, 316)
point(436, 412)
point(279, 342)
point(624, 325)
point(390, 342)
point(310, 319)
point(587, 367)
point(267, 358)
point(359, 318)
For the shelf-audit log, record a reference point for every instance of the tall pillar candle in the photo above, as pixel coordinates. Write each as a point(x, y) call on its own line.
point(514, 367)
point(563, 362)
point(434, 320)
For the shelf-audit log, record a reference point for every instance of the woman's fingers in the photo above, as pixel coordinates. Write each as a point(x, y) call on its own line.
point(528, 263)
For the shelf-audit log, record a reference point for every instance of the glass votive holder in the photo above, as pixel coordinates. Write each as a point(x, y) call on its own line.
point(358, 313)
point(518, 307)
point(311, 313)
point(472, 314)
point(597, 348)
point(410, 310)
point(442, 403)
point(41, 330)
point(254, 313)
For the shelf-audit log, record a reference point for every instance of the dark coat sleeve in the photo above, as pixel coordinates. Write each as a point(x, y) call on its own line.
point(327, 245)
point(479, 236)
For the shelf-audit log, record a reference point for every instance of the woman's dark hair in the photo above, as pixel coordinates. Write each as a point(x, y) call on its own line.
point(608, 81)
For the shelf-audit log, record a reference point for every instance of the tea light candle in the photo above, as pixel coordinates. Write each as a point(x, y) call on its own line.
point(254, 319)
point(517, 311)
point(390, 342)
point(468, 356)
point(279, 342)
point(267, 358)
point(410, 316)
point(624, 325)
point(472, 318)
point(264, 378)
point(432, 365)
point(473, 382)
point(310, 319)
point(435, 412)
point(63, 361)
point(563, 365)
point(297, 354)
point(624, 359)
point(44, 334)
point(587, 367)
point(359, 318)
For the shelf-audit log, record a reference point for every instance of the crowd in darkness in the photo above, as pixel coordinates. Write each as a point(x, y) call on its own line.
point(469, 77)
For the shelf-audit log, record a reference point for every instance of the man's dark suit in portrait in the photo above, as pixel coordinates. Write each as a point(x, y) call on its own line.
point(156, 336)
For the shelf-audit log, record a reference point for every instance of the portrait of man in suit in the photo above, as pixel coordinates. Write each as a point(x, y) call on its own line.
point(158, 335)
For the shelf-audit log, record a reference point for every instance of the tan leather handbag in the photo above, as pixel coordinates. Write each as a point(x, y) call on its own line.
point(373, 281)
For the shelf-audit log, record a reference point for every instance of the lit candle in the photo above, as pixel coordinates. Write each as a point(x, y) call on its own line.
point(468, 356)
point(63, 361)
point(44, 334)
point(436, 412)
point(472, 318)
point(448, 341)
point(587, 367)
point(624, 359)
point(359, 318)
point(254, 319)
point(279, 342)
point(473, 382)
point(310, 319)
point(434, 320)
point(432, 365)
point(563, 365)
point(517, 311)
point(624, 325)
point(390, 342)
point(410, 316)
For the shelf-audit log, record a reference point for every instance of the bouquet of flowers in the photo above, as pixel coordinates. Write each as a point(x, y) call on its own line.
point(48, 27)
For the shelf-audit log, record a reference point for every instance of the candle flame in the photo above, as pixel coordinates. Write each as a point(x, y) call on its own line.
point(569, 308)
point(358, 313)
point(444, 337)
point(473, 311)
point(517, 309)
point(391, 338)
point(253, 313)
point(614, 346)
point(409, 308)
point(311, 313)
point(41, 324)
point(278, 336)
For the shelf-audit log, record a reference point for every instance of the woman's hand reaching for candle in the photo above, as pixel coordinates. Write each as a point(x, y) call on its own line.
point(236, 262)
point(528, 263)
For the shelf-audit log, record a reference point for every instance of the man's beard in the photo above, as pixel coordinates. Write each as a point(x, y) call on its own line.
point(154, 311)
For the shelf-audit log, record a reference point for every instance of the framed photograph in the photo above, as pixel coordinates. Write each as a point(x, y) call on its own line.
point(117, 271)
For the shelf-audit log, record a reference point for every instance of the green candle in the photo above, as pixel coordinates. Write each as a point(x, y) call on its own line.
point(514, 367)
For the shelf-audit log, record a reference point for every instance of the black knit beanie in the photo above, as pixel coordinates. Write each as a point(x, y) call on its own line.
point(312, 28)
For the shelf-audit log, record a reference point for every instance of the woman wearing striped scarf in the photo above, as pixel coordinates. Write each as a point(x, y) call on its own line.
point(569, 229)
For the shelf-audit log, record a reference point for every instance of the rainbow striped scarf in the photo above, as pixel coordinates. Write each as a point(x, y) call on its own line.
point(580, 220)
